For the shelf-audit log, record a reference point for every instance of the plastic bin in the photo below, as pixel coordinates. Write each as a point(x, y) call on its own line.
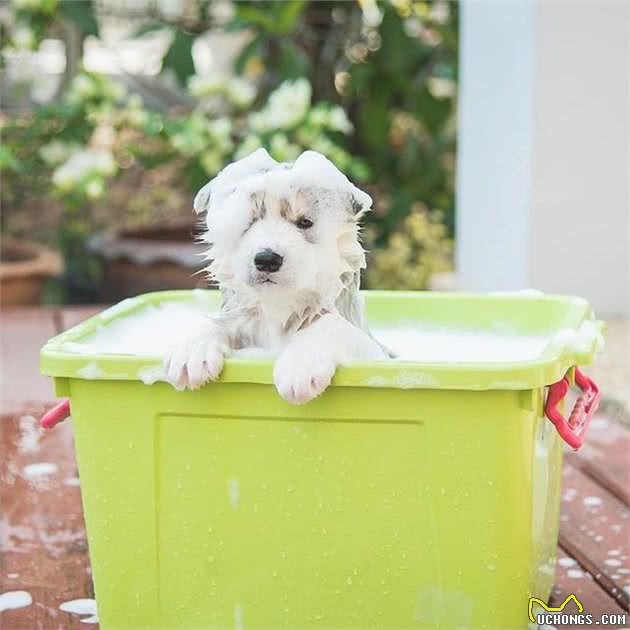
point(408, 495)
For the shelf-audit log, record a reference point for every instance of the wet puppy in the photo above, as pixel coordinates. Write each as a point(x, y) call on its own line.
point(285, 251)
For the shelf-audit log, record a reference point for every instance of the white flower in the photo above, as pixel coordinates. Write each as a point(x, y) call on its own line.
point(95, 188)
point(220, 131)
point(441, 87)
point(286, 107)
point(220, 127)
point(114, 90)
point(83, 165)
point(134, 112)
point(212, 162)
point(249, 145)
point(372, 15)
point(200, 86)
point(56, 151)
point(23, 37)
point(81, 88)
point(240, 93)
point(258, 122)
point(338, 120)
point(283, 150)
point(187, 144)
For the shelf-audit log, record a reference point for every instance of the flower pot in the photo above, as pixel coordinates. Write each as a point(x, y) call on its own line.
point(24, 268)
point(149, 258)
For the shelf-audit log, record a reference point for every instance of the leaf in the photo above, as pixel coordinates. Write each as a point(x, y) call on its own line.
point(288, 14)
point(292, 63)
point(82, 14)
point(276, 17)
point(179, 58)
point(255, 17)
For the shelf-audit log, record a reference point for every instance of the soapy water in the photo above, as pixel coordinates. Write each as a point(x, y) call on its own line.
point(154, 330)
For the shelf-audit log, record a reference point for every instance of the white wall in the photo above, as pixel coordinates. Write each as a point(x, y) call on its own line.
point(543, 162)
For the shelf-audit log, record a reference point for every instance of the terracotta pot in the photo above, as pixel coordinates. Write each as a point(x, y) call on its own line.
point(150, 258)
point(24, 268)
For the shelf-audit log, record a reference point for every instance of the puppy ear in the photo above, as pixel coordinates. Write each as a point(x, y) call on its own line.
point(227, 181)
point(361, 203)
point(202, 198)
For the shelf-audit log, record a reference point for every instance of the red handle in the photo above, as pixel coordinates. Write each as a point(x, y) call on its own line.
point(55, 415)
point(573, 429)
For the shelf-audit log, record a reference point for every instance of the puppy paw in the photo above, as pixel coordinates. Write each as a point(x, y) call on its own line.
point(194, 363)
point(299, 377)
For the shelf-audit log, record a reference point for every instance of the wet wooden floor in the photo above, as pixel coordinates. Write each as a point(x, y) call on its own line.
point(42, 533)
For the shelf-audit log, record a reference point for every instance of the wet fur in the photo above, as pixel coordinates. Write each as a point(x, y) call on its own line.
point(310, 311)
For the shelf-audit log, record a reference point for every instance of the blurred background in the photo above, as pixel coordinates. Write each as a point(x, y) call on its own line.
point(116, 112)
point(493, 136)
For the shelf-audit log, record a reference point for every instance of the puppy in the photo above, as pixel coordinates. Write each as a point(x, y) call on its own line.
point(284, 249)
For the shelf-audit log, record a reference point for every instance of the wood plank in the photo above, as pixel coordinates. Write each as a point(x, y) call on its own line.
point(42, 537)
point(571, 578)
point(24, 332)
point(594, 531)
point(605, 457)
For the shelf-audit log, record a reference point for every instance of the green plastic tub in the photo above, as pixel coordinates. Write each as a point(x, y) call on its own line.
point(409, 495)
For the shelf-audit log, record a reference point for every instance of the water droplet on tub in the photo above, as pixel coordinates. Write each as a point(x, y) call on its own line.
point(130, 444)
point(491, 567)
point(349, 581)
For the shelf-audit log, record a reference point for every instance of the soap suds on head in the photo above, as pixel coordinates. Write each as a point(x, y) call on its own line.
point(15, 599)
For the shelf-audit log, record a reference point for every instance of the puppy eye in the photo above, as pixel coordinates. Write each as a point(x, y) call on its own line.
point(304, 223)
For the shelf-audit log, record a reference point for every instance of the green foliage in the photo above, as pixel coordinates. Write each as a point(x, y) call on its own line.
point(178, 57)
point(371, 85)
point(82, 14)
point(413, 253)
point(393, 67)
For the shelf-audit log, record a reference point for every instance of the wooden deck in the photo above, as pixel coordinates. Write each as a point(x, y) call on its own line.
point(42, 536)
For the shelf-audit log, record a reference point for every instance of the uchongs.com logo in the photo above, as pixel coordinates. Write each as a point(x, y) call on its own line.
point(557, 615)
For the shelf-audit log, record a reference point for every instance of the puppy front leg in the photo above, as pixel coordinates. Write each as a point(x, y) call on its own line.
point(199, 357)
point(306, 366)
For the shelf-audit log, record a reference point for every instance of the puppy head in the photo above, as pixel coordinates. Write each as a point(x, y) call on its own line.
point(283, 232)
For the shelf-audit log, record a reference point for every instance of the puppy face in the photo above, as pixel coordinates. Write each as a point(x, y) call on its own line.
point(283, 233)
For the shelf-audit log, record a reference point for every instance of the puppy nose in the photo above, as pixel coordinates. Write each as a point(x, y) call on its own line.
point(268, 260)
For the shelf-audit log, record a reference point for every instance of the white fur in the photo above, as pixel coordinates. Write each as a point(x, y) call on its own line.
point(309, 311)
